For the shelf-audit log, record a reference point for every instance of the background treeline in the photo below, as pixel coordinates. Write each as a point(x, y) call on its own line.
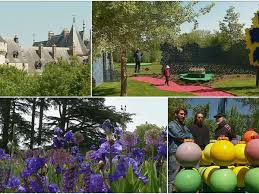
point(212, 49)
point(30, 122)
point(239, 120)
point(62, 78)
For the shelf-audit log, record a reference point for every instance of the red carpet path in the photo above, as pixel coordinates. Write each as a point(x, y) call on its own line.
point(174, 87)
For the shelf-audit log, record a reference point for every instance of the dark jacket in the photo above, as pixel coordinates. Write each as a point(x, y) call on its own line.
point(138, 56)
point(201, 135)
point(177, 132)
point(224, 129)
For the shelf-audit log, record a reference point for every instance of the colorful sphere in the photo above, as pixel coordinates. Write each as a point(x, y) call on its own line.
point(188, 154)
point(223, 152)
point(252, 151)
point(223, 180)
point(240, 172)
point(240, 157)
point(248, 134)
point(206, 151)
point(204, 161)
point(187, 181)
point(251, 180)
point(208, 172)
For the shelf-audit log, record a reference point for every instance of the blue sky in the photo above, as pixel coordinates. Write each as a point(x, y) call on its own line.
point(214, 105)
point(26, 18)
point(211, 20)
point(152, 110)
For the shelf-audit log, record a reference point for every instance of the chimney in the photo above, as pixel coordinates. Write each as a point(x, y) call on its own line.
point(65, 32)
point(16, 39)
point(54, 51)
point(50, 34)
point(40, 50)
point(73, 49)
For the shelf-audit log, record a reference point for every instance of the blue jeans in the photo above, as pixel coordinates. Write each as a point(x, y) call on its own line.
point(173, 169)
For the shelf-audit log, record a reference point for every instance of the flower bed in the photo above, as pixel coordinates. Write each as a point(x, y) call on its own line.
point(118, 164)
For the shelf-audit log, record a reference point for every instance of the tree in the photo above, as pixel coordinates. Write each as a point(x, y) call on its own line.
point(237, 121)
point(65, 79)
point(230, 27)
point(141, 130)
point(174, 103)
point(131, 24)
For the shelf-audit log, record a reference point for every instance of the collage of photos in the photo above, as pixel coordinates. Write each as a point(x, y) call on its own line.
point(129, 96)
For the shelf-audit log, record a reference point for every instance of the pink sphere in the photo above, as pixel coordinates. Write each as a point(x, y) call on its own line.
point(188, 154)
point(252, 151)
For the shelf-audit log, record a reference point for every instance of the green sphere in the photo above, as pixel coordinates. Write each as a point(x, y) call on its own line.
point(223, 181)
point(187, 181)
point(251, 180)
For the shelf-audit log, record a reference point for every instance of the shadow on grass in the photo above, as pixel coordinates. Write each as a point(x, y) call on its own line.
point(238, 88)
point(157, 84)
point(106, 92)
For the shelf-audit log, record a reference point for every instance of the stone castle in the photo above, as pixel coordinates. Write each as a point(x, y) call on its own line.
point(32, 59)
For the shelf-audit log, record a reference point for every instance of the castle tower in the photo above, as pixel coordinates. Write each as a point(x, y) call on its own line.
point(3, 50)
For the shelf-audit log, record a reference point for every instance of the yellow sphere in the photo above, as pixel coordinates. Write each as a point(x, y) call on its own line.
point(240, 157)
point(207, 151)
point(241, 171)
point(202, 170)
point(231, 167)
point(204, 161)
point(208, 172)
point(222, 152)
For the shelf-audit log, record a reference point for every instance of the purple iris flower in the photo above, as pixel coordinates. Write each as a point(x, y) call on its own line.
point(162, 150)
point(21, 189)
point(13, 182)
point(70, 177)
point(107, 126)
point(33, 165)
point(68, 136)
point(3, 155)
point(36, 186)
point(97, 184)
point(58, 131)
point(118, 130)
point(53, 188)
point(105, 149)
point(58, 142)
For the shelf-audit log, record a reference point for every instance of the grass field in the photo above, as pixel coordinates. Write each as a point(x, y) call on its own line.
point(135, 88)
point(147, 68)
point(240, 85)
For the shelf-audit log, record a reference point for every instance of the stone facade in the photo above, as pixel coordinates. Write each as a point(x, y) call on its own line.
point(33, 59)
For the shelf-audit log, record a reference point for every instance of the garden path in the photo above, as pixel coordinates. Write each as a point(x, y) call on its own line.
point(174, 87)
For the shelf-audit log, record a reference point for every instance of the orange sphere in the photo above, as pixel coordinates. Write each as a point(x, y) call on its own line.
point(248, 134)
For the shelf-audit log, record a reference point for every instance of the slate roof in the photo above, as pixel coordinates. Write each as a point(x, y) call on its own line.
point(12, 47)
point(2, 40)
point(67, 40)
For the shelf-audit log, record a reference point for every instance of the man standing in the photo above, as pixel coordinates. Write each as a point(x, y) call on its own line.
point(177, 132)
point(223, 128)
point(200, 132)
point(137, 55)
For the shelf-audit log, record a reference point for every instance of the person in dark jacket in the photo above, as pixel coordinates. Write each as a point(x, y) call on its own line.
point(177, 132)
point(200, 132)
point(223, 128)
point(137, 56)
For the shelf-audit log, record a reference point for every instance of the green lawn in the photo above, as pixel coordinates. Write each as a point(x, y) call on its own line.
point(135, 88)
point(240, 85)
point(147, 68)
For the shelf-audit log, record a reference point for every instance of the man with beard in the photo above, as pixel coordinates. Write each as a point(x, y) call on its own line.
point(177, 132)
point(223, 128)
point(200, 132)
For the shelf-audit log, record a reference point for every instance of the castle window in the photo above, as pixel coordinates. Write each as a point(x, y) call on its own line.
point(15, 54)
point(38, 64)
